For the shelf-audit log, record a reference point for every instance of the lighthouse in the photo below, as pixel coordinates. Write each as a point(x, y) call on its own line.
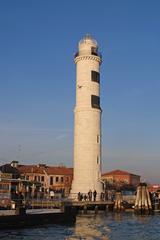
point(87, 119)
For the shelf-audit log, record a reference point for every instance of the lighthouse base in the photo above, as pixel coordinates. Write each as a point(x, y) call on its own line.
point(83, 188)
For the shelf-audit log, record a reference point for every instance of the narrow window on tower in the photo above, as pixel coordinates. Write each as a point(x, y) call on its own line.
point(94, 51)
point(98, 139)
point(95, 101)
point(95, 76)
point(98, 160)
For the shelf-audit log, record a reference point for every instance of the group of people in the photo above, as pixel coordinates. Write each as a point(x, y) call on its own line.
point(87, 197)
point(17, 197)
point(107, 195)
point(91, 196)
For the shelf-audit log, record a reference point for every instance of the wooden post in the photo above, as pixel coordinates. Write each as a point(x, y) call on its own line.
point(96, 209)
point(143, 201)
point(118, 201)
point(85, 209)
point(149, 199)
point(106, 208)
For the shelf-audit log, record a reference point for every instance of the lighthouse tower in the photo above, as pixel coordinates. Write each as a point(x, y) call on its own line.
point(87, 119)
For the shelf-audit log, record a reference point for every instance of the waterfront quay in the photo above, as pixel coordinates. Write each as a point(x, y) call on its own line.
point(38, 212)
point(84, 206)
point(62, 204)
point(34, 212)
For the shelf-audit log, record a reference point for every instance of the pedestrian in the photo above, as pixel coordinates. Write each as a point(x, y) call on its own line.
point(106, 195)
point(90, 195)
point(85, 197)
point(94, 195)
point(79, 196)
point(51, 194)
point(102, 196)
point(20, 198)
point(16, 198)
point(109, 195)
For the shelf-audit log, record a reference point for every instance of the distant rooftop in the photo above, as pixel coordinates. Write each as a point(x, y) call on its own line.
point(42, 169)
point(118, 172)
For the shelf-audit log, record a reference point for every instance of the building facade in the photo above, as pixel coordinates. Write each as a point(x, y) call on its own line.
point(47, 178)
point(119, 177)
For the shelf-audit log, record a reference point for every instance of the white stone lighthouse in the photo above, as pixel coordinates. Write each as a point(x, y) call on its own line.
point(87, 119)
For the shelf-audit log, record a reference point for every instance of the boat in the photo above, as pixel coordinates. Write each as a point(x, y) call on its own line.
point(36, 217)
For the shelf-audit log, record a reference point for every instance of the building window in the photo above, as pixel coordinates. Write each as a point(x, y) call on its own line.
point(97, 160)
point(42, 178)
point(51, 180)
point(95, 101)
point(35, 178)
point(62, 179)
point(4, 186)
point(27, 177)
point(67, 179)
point(95, 76)
point(57, 179)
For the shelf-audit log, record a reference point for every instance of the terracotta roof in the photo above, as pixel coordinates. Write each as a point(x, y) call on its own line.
point(118, 172)
point(30, 169)
point(59, 170)
point(44, 169)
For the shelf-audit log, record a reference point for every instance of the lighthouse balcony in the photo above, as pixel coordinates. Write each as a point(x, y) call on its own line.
point(98, 54)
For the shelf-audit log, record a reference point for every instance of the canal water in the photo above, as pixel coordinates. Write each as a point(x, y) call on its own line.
point(110, 226)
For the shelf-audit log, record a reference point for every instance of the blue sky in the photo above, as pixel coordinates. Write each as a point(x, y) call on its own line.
point(37, 80)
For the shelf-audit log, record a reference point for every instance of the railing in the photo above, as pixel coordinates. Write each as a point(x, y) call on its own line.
point(43, 203)
point(85, 197)
point(98, 54)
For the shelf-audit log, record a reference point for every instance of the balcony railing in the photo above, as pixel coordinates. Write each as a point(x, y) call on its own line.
point(98, 54)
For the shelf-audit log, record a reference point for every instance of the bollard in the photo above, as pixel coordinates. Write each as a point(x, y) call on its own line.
point(62, 207)
point(85, 209)
point(96, 209)
point(156, 204)
point(106, 208)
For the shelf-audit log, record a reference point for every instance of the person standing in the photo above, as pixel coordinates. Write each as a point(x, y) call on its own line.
point(102, 196)
point(106, 195)
point(51, 194)
point(90, 195)
point(79, 196)
point(94, 195)
point(85, 197)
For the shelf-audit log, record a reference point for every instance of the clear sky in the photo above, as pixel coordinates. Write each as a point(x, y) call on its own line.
point(37, 80)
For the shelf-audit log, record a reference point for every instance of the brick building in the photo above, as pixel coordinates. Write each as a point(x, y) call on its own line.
point(119, 177)
point(47, 178)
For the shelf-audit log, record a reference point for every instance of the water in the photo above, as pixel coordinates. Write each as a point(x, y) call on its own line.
point(125, 226)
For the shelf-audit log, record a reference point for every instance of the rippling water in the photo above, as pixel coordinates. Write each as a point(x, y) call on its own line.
point(109, 226)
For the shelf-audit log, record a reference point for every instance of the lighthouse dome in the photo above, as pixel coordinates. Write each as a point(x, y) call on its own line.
point(87, 39)
point(87, 45)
